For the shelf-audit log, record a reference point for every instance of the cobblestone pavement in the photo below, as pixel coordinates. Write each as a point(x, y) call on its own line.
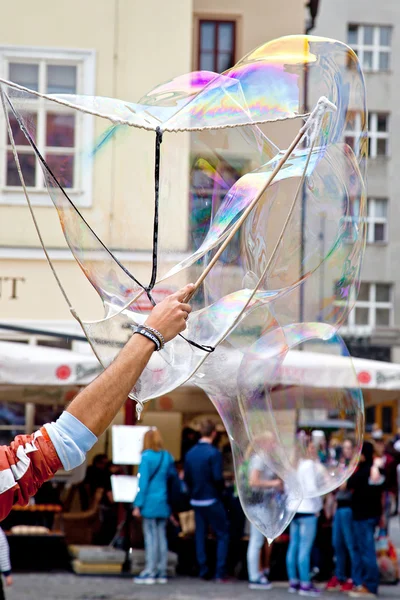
point(50, 586)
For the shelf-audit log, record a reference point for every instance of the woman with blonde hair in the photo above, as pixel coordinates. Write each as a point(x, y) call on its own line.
point(151, 503)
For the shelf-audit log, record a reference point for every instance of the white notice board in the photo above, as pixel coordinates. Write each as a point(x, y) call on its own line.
point(127, 444)
point(124, 488)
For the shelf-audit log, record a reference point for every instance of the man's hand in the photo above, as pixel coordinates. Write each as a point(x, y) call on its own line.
point(136, 512)
point(169, 316)
point(97, 405)
point(9, 580)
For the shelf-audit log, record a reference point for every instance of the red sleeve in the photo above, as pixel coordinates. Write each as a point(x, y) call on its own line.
point(29, 461)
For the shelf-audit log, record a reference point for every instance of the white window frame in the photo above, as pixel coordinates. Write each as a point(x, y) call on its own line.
point(375, 48)
point(85, 62)
point(372, 220)
point(373, 134)
point(372, 305)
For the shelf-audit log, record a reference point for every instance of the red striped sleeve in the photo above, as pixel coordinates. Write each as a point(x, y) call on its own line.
point(29, 461)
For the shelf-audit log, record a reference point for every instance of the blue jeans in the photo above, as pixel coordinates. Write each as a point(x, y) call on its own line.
point(256, 543)
point(156, 547)
point(215, 517)
point(365, 568)
point(342, 541)
point(303, 530)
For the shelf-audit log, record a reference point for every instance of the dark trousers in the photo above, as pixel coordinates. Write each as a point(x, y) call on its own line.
point(343, 542)
point(2, 595)
point(365, 568)
point(213, 516)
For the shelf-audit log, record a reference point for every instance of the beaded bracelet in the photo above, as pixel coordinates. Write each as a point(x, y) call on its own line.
point(149, 335)
point(157, 334)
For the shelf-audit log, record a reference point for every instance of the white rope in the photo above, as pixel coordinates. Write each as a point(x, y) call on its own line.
point(312, 126)
point(118, 121)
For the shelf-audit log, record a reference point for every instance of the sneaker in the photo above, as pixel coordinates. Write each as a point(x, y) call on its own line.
point(333, 585)
point(361, 592)
point(161, 579)
point(262, 583)
point(293, 587)
point(347, 586)
point(144, 579)
point(309, 590)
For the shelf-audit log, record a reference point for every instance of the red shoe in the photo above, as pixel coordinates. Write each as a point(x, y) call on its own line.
point(333, 585)
point(347, 586)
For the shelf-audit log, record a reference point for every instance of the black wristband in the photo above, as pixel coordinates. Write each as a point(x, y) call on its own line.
point(150, 336)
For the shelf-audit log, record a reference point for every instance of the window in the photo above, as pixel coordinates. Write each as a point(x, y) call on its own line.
point(370, 418)
point(378, 133)
point(59, 130)
point(377, 225)
point(208, 193)
point(373, 308)
point(371, 43)
point(377, 221)
point(216, 45)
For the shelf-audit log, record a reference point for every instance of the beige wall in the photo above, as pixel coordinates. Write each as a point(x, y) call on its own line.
point(134, 51)
point(137, 45)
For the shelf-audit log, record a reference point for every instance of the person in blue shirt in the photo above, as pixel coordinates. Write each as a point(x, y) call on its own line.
point(204, 480)
point(151, 503)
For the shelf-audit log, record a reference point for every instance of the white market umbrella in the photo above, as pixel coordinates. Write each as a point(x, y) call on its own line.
point(313, 369)
point(23, 364)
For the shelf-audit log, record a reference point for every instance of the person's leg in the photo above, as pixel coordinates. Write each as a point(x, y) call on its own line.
point(348, 537)
point(2, 594)
point(150, 547)
point(368, 557)
point(162, 548)
point(292, 553)
point(219, 523)
point(338, 542)
point(358, 542)
point(256, 542)
point(307, 533)
point(200, 535)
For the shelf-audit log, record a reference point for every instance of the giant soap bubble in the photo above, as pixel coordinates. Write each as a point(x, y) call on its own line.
point(255, 179)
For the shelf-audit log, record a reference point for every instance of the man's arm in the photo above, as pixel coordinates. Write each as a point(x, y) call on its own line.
point(33, 459)
point(256, 480)
point(217, 472)
point(98, 404)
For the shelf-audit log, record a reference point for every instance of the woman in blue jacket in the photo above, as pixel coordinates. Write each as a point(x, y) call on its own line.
point(151, 503)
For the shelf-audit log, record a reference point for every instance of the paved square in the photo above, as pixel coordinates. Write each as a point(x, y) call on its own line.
point(49, 586)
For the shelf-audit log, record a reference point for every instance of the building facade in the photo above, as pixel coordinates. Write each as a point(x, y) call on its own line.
point(373, 327)
point(118, 49)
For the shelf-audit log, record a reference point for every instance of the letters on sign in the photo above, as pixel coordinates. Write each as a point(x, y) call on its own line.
point(10, 287)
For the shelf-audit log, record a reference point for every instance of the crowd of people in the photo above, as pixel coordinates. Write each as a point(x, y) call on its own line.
point(358, 509)
point(361, 506)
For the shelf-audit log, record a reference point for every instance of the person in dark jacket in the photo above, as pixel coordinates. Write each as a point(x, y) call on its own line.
point(366, 485)
point(204, 480)
point(151, 503)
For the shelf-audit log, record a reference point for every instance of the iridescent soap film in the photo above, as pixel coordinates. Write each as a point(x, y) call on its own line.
point(251, 183)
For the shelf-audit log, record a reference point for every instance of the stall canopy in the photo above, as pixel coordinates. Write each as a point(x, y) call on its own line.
point(22, 364)
point(314, 369)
